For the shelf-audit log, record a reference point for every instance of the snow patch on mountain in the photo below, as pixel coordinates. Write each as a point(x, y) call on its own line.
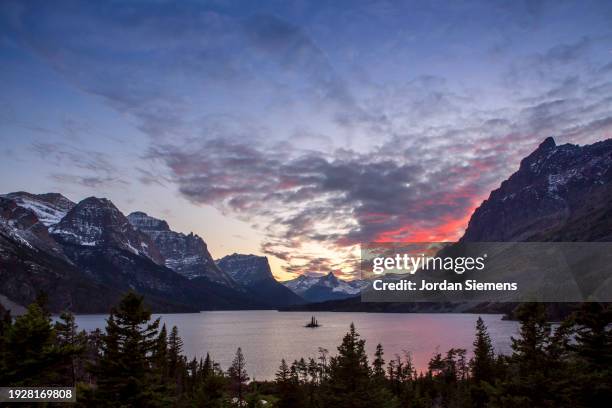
point(50, 208)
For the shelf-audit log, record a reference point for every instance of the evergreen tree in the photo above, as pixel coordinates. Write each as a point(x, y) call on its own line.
point(125, 370)
point(177, 364)
point(379, 363)
point(593, 348)
point(483, 362)
point(283, 375)
point(482, 365)
point(594, 336)
point(72, 345)
point(349, 383)
point(531, 368)
point(210, 391)
point(238, 374)
point(207, 367)
point(288, 390)
point(160, 354)
point(32, 356)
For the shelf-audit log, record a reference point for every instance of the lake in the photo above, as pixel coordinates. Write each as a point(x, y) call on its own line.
point(268, 336)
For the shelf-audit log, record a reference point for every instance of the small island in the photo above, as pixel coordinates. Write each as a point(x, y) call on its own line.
point(313, 323)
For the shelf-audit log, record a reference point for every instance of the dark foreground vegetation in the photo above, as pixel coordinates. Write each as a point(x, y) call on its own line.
point(137, 363)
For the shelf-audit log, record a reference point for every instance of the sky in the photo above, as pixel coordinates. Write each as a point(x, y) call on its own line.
point(296, 129)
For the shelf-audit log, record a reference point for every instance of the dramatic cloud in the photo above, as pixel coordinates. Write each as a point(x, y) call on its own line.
point(324, 126)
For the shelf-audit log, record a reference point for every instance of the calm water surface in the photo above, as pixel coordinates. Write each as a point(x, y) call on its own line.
point(268, 336)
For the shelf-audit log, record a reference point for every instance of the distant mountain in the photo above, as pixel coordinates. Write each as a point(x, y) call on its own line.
point(324, 288)
point(185, 254)
point(253, 272)
point(90, 257)
point(559, 193)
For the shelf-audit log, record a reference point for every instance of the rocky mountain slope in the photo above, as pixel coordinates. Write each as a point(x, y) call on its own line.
point(185, 254)
point(93, 254)
point(324, 288)
point(32, 261)
point(559, 193)
point(96, 222)
point(253, 272)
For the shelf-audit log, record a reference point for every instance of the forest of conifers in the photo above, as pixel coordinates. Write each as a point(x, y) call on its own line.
point(136, 363)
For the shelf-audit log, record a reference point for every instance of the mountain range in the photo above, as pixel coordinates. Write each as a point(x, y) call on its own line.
point(324, 288)
point(85, 255)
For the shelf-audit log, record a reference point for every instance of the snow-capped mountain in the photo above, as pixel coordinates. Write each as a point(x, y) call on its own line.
point(50, 208)
point(22, 224)
point(97, 222)
point(32, 261)
point(92, 256)
point(322, 288)
point(185, 254)
point(253, 272)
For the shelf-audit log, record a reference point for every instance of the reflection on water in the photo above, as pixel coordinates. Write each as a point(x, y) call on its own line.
point(268, 336)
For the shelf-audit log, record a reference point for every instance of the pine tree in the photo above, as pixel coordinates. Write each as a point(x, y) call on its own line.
point(160, 354)
point(302, 370)
point(594, 336)
point(593, 348)
point(175, 348)
point(482, 365)
point(313, 370)
point(483, 362)
point(32, 356)
point(532, 369)
point(207, 367)
point(283, 374)
point(72, 345)
point(379, 363)
point(210, 391)
point(349, 383)
point(238, 374)
point(125, 370)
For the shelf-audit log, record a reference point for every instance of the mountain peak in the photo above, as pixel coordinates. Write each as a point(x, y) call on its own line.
point(98, 222)
point(547, 144)
point(93, 201)
point(145, 222)
point(330, 277)
point(246, 268)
